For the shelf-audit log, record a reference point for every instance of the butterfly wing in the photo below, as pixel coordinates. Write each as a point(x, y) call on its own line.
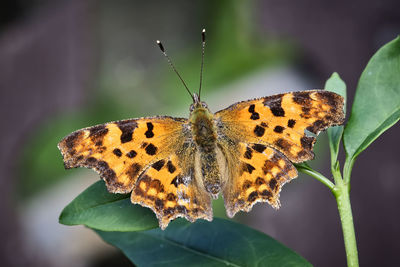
point(171, 190)
point(150, 157)
point(286, 125)
point(258, 177)
point(287, 122)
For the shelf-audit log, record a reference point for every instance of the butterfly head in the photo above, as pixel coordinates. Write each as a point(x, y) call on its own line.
point(197, 104)
point(199, 109)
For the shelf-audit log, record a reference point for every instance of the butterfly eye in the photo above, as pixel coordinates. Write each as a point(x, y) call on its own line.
point(191, 108)
point(204, 105)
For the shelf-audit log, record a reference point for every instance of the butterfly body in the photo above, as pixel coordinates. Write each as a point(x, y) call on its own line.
point(175, 166)
point(205, 137)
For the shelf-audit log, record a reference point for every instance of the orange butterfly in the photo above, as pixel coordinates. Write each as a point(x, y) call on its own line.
point(175, 166)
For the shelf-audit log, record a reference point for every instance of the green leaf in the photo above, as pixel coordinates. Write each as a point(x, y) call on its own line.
point(97, 208)
point(335, 84)
point(376, 104)
point(217, 243)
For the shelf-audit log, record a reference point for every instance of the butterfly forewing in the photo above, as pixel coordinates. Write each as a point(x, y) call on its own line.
point(121, 150)
point(288, 122)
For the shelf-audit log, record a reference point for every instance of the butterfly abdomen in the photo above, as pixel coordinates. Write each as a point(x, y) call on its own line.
point(210, 172)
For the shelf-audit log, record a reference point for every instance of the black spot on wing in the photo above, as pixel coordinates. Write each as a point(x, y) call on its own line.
point(275, 105)
point(127, 127)
point(278, 129)
point(117, 152)
point(151, 149)
point(253, 196)
point(248, 168)
point(158, 165)
point(291, 123)
point(255, 116)
point(260, 181)
point(171, 167)
point(131, 154)
point(259, 131)
point(272, 183)
point(259, 148)
point(149, 133)
point(251, 108)
point(248, 153)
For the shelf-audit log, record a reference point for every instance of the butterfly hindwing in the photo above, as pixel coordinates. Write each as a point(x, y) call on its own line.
point(288, 122)
point(259, 175)
point(172, 191)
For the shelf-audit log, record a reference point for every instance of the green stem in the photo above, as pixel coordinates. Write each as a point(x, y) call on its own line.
point(342, 194)
point(341, 191)
point(348, 166)
point(304, 168)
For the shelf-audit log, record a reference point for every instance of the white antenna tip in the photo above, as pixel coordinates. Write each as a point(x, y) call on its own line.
point(204, 30)
point(158, 41)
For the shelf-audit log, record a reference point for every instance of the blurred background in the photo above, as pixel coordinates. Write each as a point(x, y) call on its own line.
point(65, 65)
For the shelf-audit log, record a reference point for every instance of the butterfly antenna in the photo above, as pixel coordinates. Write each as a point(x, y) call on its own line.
point(173, 67)
point(203, 44)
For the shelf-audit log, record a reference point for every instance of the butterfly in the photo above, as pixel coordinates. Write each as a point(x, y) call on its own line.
point(176, 166)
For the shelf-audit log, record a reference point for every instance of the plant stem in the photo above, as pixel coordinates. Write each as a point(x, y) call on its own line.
point(348, 166)
point(342, 195)
point(304, 168)
point(341, 191)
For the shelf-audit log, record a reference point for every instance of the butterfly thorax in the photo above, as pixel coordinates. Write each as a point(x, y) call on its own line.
point(205, 136)
point(203, 129)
